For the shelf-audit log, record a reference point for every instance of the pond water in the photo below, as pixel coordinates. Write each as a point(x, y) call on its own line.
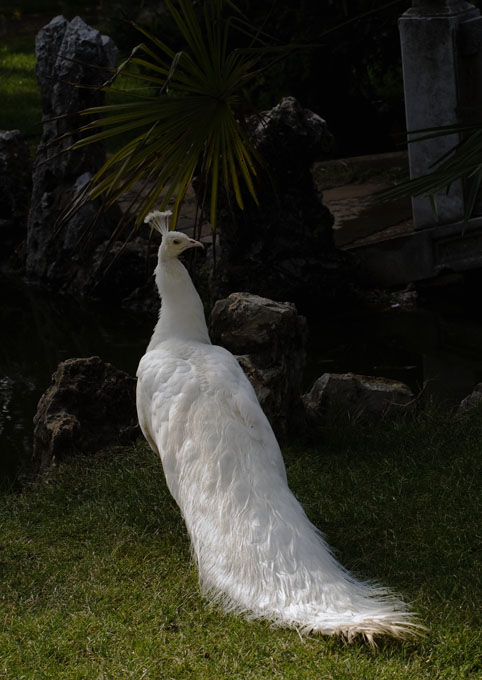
point(439, 348)
point(436, 350)
point(37, 331)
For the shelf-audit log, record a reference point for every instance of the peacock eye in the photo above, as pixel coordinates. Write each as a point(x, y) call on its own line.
point(176, 241)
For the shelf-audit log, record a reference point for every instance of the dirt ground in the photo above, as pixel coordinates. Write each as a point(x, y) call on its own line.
point(360, 215)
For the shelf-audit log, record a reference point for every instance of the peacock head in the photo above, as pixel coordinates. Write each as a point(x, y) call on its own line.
point(173, 242)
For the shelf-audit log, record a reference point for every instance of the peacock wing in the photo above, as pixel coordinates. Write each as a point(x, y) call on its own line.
point(198, 410)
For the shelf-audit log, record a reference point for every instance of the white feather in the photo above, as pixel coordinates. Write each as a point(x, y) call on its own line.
point(159, 220)
point(255, 548)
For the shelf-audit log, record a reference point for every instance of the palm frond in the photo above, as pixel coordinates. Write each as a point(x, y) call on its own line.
point(188, 120)
point(462, 162)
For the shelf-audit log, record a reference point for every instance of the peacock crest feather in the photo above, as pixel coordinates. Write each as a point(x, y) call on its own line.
point(159, 221)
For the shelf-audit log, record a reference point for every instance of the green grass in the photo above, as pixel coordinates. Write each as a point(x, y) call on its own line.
point(97, 581)
point(19, 92)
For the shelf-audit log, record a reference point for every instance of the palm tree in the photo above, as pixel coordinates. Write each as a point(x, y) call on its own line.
point(187, 119)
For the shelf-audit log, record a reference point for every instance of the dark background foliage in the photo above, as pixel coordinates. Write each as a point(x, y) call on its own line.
point(346, 68)
point(348, 71)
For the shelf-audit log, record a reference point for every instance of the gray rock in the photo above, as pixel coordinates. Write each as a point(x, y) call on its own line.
point(269, 338)
point(90, 404)
point(68, 54)
point(471, 402)
point(15, 187)
point(357, 396)
point(282, 249)
point(278, 400)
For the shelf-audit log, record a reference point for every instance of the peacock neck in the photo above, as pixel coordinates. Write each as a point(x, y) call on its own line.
point(182, 314)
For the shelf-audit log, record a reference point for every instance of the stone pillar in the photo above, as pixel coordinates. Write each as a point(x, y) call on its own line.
point(431, 56)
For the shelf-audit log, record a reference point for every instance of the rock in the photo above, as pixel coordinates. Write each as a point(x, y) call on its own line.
point(15, 187)
point(282, 249)
point(269, 338)
point(90, 404)
point(359, 396)
point(471, 402)
point(68, 54)
point(276, 396)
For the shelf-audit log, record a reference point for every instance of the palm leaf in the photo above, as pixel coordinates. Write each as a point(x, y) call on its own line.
point(190, 121)
point(462, 162)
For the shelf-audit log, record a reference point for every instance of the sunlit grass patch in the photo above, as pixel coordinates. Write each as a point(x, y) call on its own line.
point(97, 579)
point(19, 92)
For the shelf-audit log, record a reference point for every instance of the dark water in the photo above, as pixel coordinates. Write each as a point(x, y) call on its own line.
point(37, 331)
point(435, 349)
point(439, 348)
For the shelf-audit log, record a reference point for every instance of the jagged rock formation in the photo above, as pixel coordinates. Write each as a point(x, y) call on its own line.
point(15, 187)
point(269, 340)
point(357, 396)
point(68, 54)
point(471, 402)
point(90, 404)
point(283, 249)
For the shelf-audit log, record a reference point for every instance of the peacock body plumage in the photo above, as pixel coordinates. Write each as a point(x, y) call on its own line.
point(256, 550)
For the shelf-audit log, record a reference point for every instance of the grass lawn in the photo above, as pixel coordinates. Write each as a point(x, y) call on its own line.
point(19, 92)
point(97, 581)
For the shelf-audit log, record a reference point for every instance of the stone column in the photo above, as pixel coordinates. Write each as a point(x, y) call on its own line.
point(431, 52)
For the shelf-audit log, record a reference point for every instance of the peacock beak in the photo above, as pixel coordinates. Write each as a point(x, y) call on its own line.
point(195, 244)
